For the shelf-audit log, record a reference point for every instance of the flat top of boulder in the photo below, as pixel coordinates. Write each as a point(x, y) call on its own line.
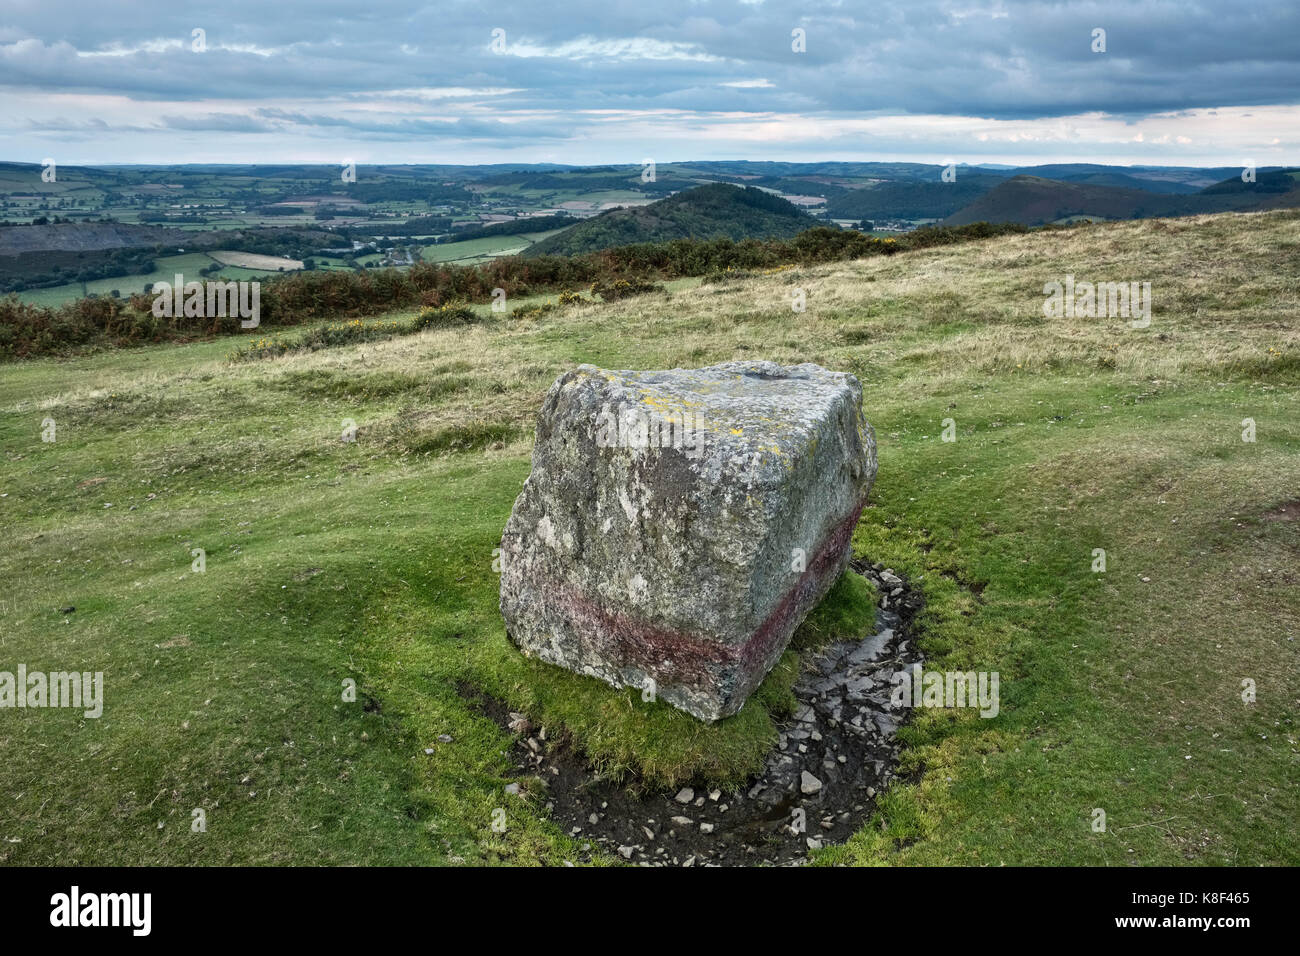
point(738, 402)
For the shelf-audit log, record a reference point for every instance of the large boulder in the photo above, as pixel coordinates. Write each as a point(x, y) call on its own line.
point(677, 526)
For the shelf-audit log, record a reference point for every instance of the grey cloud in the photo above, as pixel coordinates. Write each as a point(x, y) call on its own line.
point(929, 56)
point(995, 59)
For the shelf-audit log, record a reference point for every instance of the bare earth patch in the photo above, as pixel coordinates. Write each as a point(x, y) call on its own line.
point(1287, 511)
point(819, 784)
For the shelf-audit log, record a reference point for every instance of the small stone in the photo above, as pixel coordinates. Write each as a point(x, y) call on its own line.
point(512, 788)
point(594, 818)
point(714, 794)
point(685, 795)
point(808, 783)
point(814, 843)
point(519, 723)
point(625, 852)
point(706, 827)
point(683, 821)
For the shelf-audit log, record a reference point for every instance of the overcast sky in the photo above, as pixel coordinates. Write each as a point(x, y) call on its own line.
point(611, 81)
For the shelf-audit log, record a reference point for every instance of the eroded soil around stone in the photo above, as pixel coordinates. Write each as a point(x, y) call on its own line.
point(832, 759)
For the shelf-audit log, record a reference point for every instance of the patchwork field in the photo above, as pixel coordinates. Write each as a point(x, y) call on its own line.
point(166, 267)
point(251, 260)
point(326, 560)
point(470, 251)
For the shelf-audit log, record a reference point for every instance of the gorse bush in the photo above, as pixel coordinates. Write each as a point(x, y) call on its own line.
point(444, 317)
point(353, 331)
point(528, 313)
point(321, 337)
point(299, 297)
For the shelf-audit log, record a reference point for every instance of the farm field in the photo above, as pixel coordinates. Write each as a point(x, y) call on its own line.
point(472, 251)
point(187, 264)
point(251, 260)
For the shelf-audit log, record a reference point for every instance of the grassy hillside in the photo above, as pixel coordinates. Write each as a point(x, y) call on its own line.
point(371, 560)
point(705, 212)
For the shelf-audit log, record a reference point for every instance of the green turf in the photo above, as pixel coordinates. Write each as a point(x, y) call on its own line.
point(329, 560)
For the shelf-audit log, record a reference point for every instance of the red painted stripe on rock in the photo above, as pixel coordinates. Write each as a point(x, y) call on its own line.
point(676, 657)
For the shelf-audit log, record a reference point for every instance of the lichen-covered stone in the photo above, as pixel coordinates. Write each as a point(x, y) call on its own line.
point(677, 526)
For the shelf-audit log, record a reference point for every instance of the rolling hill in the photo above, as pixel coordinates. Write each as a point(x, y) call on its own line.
point(1034, 201)
point(705, 212)
point(913, 199)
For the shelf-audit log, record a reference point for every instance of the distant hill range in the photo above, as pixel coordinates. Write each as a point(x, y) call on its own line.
point(1035, 201)
point(977, 195)
point(89, 215)
point(911, 198)
point(705, 212)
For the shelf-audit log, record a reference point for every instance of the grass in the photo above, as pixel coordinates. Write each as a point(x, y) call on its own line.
point(330, 560)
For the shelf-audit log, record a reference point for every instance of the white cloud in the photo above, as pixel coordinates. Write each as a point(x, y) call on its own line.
point(611, 48)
